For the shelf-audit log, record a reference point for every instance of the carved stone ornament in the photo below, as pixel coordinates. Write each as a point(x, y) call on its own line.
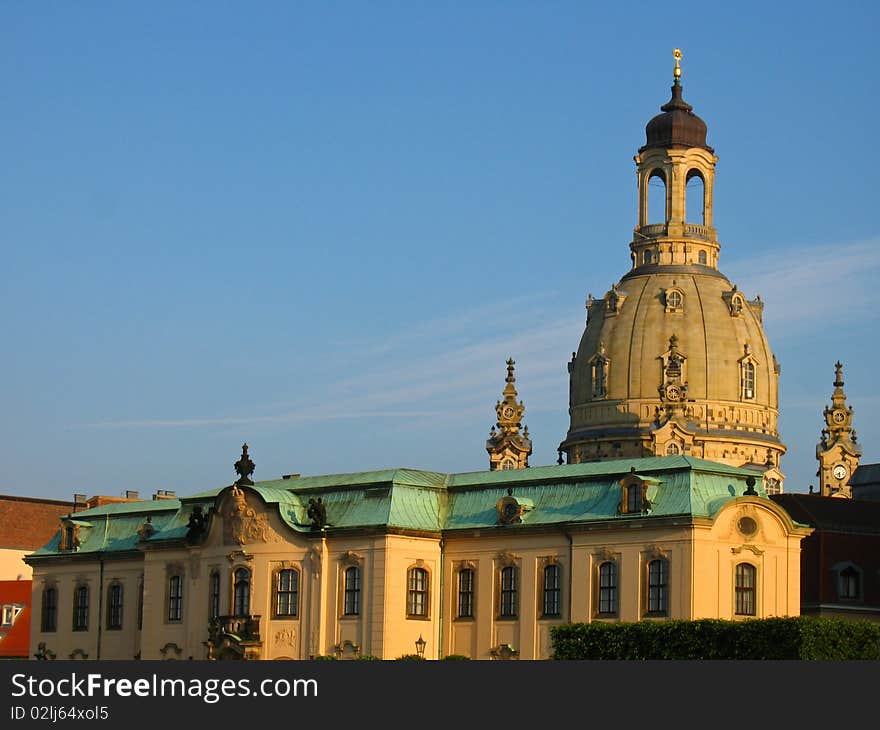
point(42, 653)
point(78, 654)
point(507, 558)
point(504, 651)
point(652, 552)
point(197, 525)
point(548, 560)
point(752, 548)
point(286, 637)
point(317, 513)
point(146, 530)
point(602, 554)
point(347, 650)
point(243, 524)
point(316, 559)
point(464, 565)
point(170, 648)
point(350, 558)
point(244, 467)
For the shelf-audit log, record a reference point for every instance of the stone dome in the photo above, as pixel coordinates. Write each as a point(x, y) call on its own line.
point(674, 355)
point(677, 126)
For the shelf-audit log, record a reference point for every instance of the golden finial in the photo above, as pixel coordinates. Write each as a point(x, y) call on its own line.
point(676, 72)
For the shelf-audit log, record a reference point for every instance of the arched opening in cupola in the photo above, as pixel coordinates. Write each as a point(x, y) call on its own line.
point(695, 198)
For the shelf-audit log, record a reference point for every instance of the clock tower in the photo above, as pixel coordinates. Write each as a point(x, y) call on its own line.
point(838, 453)
point(508, 447)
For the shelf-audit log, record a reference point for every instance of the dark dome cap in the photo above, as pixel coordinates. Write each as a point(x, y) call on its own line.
point(677, 126)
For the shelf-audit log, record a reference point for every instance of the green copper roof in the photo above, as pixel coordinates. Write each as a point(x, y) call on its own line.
point(410, 499)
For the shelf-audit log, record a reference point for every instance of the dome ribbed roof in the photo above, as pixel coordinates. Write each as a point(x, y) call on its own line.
point(677, 126)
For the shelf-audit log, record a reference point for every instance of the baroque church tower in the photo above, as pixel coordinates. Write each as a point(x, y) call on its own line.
point(837, 452)
point(508, 447)
point(674, 359)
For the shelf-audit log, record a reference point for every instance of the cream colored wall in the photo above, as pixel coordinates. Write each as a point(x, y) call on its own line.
point(12, 566)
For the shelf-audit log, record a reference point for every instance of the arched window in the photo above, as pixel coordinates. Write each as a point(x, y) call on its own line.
point(175, 597)
point(214, 594)
point(849, 584)
point(49, 620)
point(352, 602)
point(702, 258)
point(417, 592)
point(508, 464)
point(647, 256)
point(552, 590)
point(508, 595)
point(608, 588)
point(241, 592)
point(658, 587)
point(466, 593)
point(81, 608)
point(673, 449)
point(286, 592)
point(657, 197)
point(748, 380)
point(114, 606)
point(746, 582)
point(695, 198)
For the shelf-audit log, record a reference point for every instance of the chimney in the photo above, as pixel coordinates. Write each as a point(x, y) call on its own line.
point(163, 494)
point(131, 494)
point(290, 476)
point(79, 502)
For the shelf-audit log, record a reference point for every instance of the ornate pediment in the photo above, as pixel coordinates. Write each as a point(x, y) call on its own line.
point(242, 523)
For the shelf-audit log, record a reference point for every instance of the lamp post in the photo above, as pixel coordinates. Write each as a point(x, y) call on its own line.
point(420, 647)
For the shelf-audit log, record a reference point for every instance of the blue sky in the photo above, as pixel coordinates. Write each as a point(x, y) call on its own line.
point(323, 227)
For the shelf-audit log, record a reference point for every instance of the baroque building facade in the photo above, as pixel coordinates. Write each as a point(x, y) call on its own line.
point(662, 511)
point(479, 564)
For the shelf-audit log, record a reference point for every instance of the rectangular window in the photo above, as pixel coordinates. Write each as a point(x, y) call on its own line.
point(608, 588)
point(175, 598)
point(466, 593)
point(848, 584)
point(508, 604)
point(114, 606)
point(352, 606)
point(81, 608)
point(286, 592)
point(214, 599)
point(658, 587)
point(417, 594)
point(552, 591)
point(49, 620)
point(745, 590)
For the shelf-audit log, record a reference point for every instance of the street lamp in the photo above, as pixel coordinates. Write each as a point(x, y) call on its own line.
point(420, 647)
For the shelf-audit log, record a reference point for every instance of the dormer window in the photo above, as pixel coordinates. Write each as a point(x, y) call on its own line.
point(634, 495)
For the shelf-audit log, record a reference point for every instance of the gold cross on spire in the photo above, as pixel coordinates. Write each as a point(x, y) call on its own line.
point(676, 72)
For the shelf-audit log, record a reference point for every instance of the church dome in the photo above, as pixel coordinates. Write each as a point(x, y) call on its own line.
point(674, 360)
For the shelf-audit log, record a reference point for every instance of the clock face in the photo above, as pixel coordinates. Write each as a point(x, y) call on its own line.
point(839, 471)
point(507, 412)
point(673, 392)
point(838, 416)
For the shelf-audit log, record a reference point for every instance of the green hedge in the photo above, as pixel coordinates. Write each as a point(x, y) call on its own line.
point(799, 637)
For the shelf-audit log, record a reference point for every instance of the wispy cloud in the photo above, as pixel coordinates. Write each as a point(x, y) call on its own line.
point(797, 283)
point(413, 374)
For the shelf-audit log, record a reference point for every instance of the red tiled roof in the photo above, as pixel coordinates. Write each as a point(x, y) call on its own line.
point(27, 523)
point(14, 641)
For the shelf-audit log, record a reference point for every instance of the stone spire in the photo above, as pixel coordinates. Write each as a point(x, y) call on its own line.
point(508, 447)
point(837, 451)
